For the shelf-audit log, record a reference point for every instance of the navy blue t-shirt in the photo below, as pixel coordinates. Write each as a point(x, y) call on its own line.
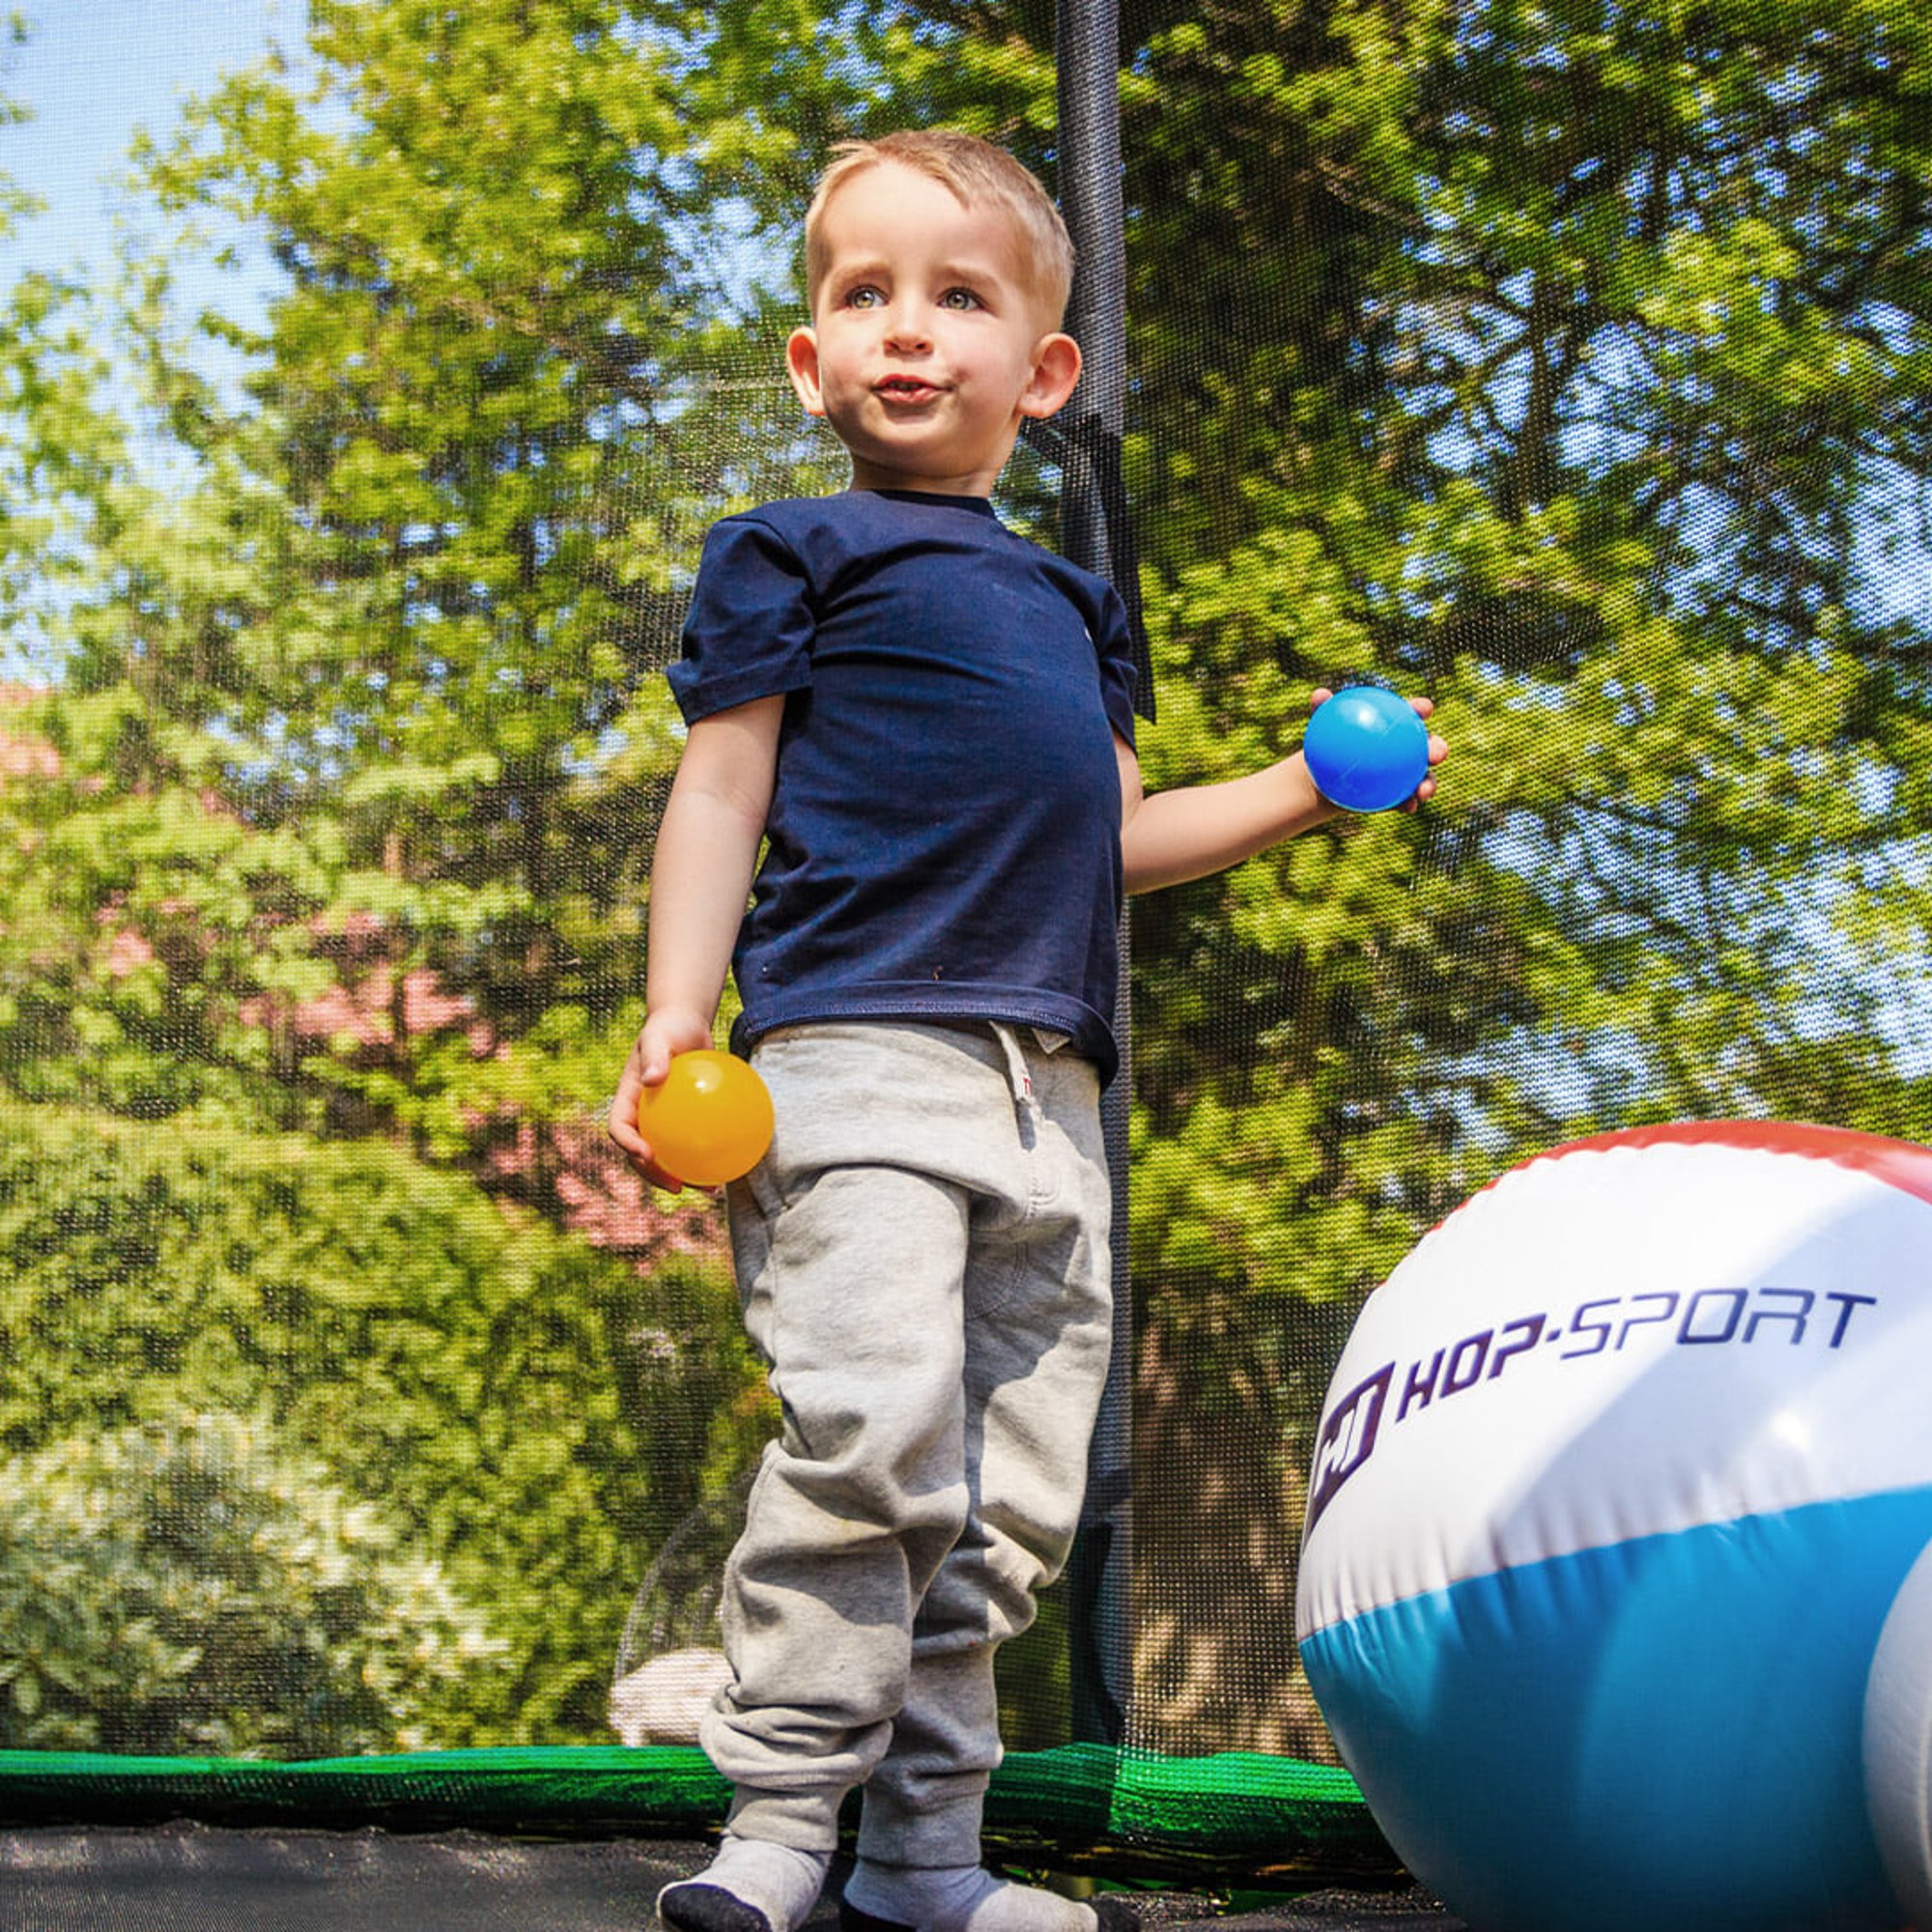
point(944, 838)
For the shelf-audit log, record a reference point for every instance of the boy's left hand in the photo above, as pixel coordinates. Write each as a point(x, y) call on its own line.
point(1438, 749)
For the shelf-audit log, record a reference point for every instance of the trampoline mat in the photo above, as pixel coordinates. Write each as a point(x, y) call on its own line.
point(195, 1878)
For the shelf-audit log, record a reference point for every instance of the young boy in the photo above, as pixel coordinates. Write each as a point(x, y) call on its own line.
point(928, 724)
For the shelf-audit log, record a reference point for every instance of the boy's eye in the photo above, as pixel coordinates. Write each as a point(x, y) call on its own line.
point(864, 296)
point(959, 299)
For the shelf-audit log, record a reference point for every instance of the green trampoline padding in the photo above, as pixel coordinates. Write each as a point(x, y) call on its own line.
point(1091, 1806)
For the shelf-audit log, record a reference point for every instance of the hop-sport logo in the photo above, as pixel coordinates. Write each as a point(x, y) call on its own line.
point(1760, 1315)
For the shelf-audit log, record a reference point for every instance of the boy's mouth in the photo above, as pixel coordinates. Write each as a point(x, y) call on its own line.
point(905, 389)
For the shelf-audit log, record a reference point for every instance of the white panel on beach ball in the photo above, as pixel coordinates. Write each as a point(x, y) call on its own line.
point(1898, 1743)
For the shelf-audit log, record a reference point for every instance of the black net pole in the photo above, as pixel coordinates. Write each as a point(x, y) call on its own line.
point(1093, 533)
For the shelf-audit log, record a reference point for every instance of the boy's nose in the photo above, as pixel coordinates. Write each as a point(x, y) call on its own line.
point(905, 327)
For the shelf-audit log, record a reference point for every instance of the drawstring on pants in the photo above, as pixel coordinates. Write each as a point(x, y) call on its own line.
point(1025, 1108)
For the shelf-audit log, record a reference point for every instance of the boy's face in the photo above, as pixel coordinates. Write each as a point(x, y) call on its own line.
point(929, 346)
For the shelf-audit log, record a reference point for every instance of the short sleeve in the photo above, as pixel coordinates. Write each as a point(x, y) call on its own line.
point(749, 631)
point(1120, 673)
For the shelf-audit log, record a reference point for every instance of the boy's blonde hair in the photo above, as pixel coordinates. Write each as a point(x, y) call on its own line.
point(974, 171)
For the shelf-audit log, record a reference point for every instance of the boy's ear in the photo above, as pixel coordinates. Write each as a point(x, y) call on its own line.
point(802, 366)
point(1056, 369)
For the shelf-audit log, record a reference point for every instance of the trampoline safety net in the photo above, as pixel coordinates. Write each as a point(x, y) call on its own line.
point(370, 1438)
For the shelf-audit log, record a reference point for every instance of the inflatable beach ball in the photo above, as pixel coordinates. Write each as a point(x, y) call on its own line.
point(1611, 1589)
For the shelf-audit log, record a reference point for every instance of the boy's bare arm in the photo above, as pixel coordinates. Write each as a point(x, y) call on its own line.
point(706, 852)
point(1170, 837)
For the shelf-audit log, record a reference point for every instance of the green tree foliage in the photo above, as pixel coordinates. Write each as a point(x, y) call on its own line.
point(524, 1414)
point(184, 1588)
point(1567, 355)
point(147, 905)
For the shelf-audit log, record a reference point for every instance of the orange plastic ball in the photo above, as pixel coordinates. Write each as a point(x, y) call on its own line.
point(711, 1119)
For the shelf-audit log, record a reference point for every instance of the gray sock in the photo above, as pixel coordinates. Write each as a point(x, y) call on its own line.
point(752, 1886)
point(962, 1898)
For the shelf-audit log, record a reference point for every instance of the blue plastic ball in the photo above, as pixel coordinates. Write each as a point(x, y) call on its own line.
point(1367, 750)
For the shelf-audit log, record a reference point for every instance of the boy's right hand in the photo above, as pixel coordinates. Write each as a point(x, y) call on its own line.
point(668, 1032)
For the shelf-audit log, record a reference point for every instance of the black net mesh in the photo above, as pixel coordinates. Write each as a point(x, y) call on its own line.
point(1567, 363)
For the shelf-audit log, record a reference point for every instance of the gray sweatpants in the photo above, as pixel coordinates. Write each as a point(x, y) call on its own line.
point(924, 1264)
